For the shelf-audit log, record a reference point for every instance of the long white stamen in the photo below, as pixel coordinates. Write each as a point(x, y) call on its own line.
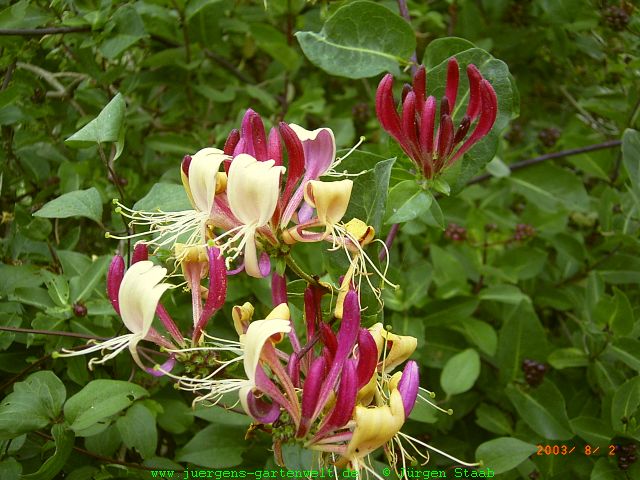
point(332, 172)
point(450, 457)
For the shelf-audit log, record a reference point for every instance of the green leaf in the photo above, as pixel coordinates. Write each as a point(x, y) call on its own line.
point(138, 430)
point(548, 187)
point(624, 405)
point(167, 197)
point(493, 419)
point(99, 400)
point(216, 446)
point(368, 196)
point(176, 417)
point(543, 409)
point(441, 49)
point(58, 288)
point(407, 200)
point(82, 285)
point(592, 430)
point(631, 155)
point(34, 404)
point(567, 358)
point(106, 127)
point(361, 39)
point(10, 469)
point(622, 321)
point(504, 294)
point(81, 203)
point(460, 372)
point(298, 458)
point(64, 440)
point(503, 454)
point(480, 333)
point(627, 350)
point(605, 470)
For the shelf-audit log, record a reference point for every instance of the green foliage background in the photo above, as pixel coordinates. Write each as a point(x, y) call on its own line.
point(176, 76)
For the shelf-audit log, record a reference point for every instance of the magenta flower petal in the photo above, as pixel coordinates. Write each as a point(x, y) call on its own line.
point(420, 84)
point(231, 142)
point(217, 289)
point(140, 253)
point(295, 154)
point(312, 385)
point(347, 335)
point(264, 264)
point(274, 147)
point(367, 357)
point(453, 77)
point(261, 410)
point(278, 289)
point(165, 367)
point(114, 279)
point(346, 397)
point(408, 386)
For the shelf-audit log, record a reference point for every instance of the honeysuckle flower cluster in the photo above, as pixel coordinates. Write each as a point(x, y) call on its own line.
point(431, 141)
point(336, 388)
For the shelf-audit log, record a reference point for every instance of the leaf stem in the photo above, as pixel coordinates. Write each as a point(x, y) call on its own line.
point(291, 263)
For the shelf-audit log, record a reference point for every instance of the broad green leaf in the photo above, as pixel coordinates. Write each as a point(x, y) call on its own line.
point(129, 28)
point(166, 197)
point(64, 440)
point(424, 413)
point(98, 401)
point(460, 372)
point(548, 187)
point(493, 419)
point(543, 409)
point(369, 193)
point(106, 127)
point(622, 322)
point(448, 274)
point(81, 203)
point(176, 417)
point(216, 446)
point(361, 39)
point(34, 403)
point(10, 469)
point(298, 458)
point(407, 200)
point(567, 358)
point(631, 155)
point(441, 49)
point(605, 470)
point(624, 406)
point(22, 14)
point(503, 454)
point(82, 285)
point(504, 294)
point(626, 350)
point(138, 430)
point(444, 312)
point(592, 430)
point(58, 288)
point(480, 333)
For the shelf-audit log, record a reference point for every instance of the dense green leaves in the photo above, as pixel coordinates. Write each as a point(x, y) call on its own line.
point(361, 39)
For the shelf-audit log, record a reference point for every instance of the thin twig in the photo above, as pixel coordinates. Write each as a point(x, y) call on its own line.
point(8, 75)
point(50, 332)
point(114, 461)
point(228, 66)
point(37, 32)
point(550, 156)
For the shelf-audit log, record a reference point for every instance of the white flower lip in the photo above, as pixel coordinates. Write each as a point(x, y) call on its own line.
point(139, 295)
point(203, 171)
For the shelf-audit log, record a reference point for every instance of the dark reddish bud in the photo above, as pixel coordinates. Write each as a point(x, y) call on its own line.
point(232, 141)
point(79, 310)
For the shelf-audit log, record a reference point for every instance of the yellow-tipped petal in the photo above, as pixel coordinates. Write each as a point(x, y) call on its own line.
point(401, 348)
point(202, 178)
point(259, 333)
point(330, 200)
point(359, 230)
point(375, 426)
point(253, 189)
point(242, 317)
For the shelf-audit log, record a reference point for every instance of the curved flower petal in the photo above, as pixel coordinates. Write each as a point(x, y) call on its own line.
point(258, 333)
point(202, 176)
point(319, 149)
point(330, 200)
point(139, 294)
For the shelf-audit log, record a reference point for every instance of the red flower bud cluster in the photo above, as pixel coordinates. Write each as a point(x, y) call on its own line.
point(433, 142)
